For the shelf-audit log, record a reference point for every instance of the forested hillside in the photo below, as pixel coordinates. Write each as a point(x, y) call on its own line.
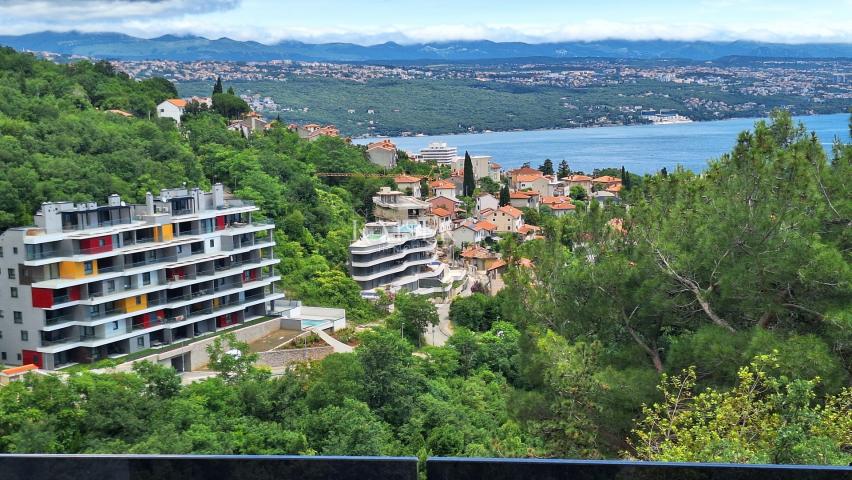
point(58, 142)
point(712, 321)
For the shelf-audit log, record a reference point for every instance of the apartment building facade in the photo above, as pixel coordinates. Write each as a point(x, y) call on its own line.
point(90, 281)
point(397, 256)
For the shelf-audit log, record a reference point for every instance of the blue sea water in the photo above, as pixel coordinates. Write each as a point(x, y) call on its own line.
point(640, 149)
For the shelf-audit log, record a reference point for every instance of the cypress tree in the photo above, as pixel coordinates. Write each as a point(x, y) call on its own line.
point(469, 183)
point(623, 174)
point(504, 195)
point(231, 91)
point(217, 88)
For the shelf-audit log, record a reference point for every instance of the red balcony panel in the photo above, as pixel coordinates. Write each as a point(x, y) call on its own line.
point(221, 321)
point(74, 293)
point(96, 245)
point(160, 314)
point(254, 275)
point(32, 357)
point(42, 297)
point(220, 222)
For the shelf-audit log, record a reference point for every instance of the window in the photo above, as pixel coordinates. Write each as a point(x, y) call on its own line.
point(25, 336)
point(179, 248)
point(19, 357)
point(1, 252)
point(94, 310)
point(14, 292)
point(212, 243)
point(101, 242)
point(138, 299)
point(18, 317)
point(1, 333)
point(11, 274)
point(87, 268)
point(110, 286)
point(14, 250)
point(115, 325)
point(146, 278)
point(140, 341)
point(1, 313)
point(2, 355)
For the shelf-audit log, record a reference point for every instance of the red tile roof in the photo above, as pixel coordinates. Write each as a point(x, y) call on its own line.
point(18, 370)
point(607, 179)
point(475, 251)
point(441, 212)
point(384, 145)
point(178, 102)
point(577, 178)
point(406, 179)
point(495, 264)
point(511, 211)
point(442, 184)
point(486, 225)
point(529, 177)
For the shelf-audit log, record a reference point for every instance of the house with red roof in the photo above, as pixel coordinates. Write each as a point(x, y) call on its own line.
point(507, 219)
point(572, 181)
point(382, 153)
point(172, 108)
point(443, 188)
point(406, 182)
point(524, 199)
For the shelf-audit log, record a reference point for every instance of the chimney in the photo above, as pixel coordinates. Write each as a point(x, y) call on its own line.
point(149, 203)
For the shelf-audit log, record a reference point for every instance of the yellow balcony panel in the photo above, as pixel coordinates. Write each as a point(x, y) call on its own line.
point(132, 304)
point(77, 269)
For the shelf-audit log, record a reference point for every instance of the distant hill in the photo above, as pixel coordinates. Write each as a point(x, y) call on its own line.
point(171, 47)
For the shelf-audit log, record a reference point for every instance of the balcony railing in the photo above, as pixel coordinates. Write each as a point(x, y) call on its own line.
point(58, 319)
point(270, 467)
point(41, 255)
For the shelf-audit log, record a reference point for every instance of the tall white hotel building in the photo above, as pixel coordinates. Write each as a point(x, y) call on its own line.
point(90, 281)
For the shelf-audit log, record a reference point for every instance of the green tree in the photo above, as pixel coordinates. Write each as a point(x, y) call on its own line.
point(412, 315)
point(469, 182)
point(546, 168)
point(578, 193)
point(563, 170)
point(217, 87)
point(504, 195)
point(231, 358)
point(229, 106)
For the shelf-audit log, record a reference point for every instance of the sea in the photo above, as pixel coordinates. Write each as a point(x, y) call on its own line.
point(639, 148)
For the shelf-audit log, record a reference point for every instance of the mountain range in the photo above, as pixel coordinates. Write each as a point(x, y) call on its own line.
point(186, 48)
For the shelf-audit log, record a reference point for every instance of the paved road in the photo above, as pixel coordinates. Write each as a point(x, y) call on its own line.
point(439, 336)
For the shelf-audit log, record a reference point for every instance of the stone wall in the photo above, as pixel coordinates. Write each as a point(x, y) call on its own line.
point(282, 358)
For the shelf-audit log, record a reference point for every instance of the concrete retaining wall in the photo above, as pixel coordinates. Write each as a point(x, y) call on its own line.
point(198, 350)
point(282, 358)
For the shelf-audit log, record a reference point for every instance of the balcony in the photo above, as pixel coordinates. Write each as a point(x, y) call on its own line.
point(59, 319)
point(271, 467)
point(40, 255)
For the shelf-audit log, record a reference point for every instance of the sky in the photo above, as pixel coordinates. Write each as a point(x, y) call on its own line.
point(411, 21)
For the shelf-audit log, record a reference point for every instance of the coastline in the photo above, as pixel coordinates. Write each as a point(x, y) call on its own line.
point(548, 129)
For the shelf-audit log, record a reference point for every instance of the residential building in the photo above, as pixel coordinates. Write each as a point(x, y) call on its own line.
point(606, 181)
point(513, 174)
point(470, 232)
point(486, 201)
point(201, 101)
point(442, 220)
point(480, 163)
point(507, 219)
point(382, 153)
point(172, 108)
point(440, 153)
point(559, 205)
point(572, 181)
point(450, 204)
point(443, 188)
point(397, 256)
point(477, 257)
point(90, 281)
point(404, 183)
point(604, 196)
point(524, 199)
point(313, 131)
point(247, 126)
point(494, 171)
point(392, 206)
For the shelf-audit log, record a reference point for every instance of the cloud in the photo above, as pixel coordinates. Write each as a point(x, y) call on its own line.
point(62, 11)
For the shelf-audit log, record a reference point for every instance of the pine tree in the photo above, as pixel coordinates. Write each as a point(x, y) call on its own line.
point(217, 88)
point(547, 167)
point(504, 195)
point(563, 170)
point(469, 184)
point(231, 91)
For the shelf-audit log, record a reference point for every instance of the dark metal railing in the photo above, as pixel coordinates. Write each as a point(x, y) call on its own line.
point(505, 469)
point(271, 467)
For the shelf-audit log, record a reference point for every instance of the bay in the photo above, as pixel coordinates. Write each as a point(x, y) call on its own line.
point(640, 148)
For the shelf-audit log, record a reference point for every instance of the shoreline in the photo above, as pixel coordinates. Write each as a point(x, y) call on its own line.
point(548, 129)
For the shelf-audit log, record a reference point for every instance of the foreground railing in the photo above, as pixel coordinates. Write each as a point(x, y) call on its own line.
point(251, 467)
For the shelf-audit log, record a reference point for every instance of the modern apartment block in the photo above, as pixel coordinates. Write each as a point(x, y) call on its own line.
point(90, 281)
point(398, 256)
point(439, 152)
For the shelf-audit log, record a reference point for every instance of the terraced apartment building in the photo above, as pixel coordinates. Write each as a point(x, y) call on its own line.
point(90, 281)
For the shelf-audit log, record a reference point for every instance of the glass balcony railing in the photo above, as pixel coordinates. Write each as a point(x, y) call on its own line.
point(269, 467)
point(41, 255)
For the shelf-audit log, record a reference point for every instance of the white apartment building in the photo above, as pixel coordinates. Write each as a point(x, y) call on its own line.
point(88, 281)
point(439, 152)
point(397, 256)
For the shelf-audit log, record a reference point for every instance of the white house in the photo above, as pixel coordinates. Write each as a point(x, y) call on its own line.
point(382, 153)
point(469, 233)
point(486, 201)
point(507, 219)
point(172, 108)
point(405, 182)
